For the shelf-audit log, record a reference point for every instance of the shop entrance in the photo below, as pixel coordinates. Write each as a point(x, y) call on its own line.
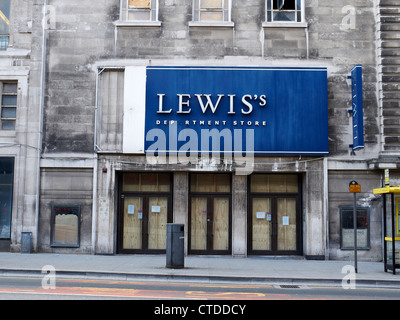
point(274, 219)
point(145, 210)
point(210, 214)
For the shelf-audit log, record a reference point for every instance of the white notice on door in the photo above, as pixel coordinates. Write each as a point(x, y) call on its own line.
point(131, 208)
point(285, 220)
point(260, 215)
point(155, 209)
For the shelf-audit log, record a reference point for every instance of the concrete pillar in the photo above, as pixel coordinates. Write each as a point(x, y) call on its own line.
point(315, 193)
point(106, 215)
point(239, 216)
point(181, 202)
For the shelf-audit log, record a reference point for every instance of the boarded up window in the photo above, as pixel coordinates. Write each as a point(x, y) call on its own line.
point(65, 225)
point(210, 183)
point(110, 110)
point(146, 182)
point(211, 4)
point(139, 10)
point(269, 183)
point(211, 10)
point(143, 4)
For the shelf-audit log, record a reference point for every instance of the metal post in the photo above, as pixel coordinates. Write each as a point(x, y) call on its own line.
point(384, 234)
point(393, 238)
point(355, 230)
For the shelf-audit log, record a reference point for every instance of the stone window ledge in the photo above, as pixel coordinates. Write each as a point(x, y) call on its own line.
point(208, 24)
point(137, 24)
point(283, 24)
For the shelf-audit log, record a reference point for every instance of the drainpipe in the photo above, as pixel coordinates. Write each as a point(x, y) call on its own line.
point(41, 113)
point(95, 167)
point(326, 206)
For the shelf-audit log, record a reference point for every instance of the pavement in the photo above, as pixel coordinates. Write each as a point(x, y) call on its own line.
point(275, 270)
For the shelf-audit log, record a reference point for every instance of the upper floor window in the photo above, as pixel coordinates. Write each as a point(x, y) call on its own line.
point(139, 12)
point(5, 10)
point(212, 12)
point(9, 92)
point(285, 11)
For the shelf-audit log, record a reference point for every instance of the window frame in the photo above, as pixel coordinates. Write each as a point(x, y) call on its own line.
point(2, 107)
point(77, 208)
point(124, 20)
point(281, 23)
point(226, 16)
point(360, 209)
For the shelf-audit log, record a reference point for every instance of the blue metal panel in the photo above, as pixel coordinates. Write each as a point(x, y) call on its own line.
point(357, 107)
point(285, 108)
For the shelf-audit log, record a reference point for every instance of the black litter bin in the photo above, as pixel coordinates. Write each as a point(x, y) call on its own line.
point(175, 246)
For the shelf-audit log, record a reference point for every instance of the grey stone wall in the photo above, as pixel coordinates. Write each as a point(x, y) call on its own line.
point(340, 34)
point(388, 26)
point(69, 187)
point(22, 62)
point(339, 196)
point(85, 36)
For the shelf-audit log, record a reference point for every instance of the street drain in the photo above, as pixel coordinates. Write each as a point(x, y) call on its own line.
point(289, 286)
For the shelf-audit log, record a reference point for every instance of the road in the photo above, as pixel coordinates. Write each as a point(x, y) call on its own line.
point(35, 287)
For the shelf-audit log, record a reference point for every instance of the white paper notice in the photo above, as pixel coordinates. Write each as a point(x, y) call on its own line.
point(155, 209)
point(260, 215)
point(131, 208)
point(285, 220)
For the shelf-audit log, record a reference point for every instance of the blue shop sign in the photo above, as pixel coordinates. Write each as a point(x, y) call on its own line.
point(266, 111)
point(357, 107)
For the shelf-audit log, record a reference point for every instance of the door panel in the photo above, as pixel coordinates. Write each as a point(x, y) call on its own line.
point(133, 223)
point(287, 224)
point(221, 224)
point(210, 224)
point(274, 225)
point(262, 224)
point(157, 225)
point(198, 232)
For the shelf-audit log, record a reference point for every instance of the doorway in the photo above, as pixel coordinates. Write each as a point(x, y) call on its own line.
point(274, 215)
point(210, 214)
point(145, 210)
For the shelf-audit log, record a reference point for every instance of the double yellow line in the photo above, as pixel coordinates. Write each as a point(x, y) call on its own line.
point(3, 16)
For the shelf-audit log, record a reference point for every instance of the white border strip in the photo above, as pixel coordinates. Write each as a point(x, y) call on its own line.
point(134, 109)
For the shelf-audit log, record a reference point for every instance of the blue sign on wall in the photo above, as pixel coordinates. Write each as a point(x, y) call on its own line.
point(267, 111)
point(357, 107)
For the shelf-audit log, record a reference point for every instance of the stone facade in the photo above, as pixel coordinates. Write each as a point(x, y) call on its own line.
point(21, 62)
point(88, 46)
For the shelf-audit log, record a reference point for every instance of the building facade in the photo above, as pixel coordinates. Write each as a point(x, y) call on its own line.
point(21, 78)
point(230, 117)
